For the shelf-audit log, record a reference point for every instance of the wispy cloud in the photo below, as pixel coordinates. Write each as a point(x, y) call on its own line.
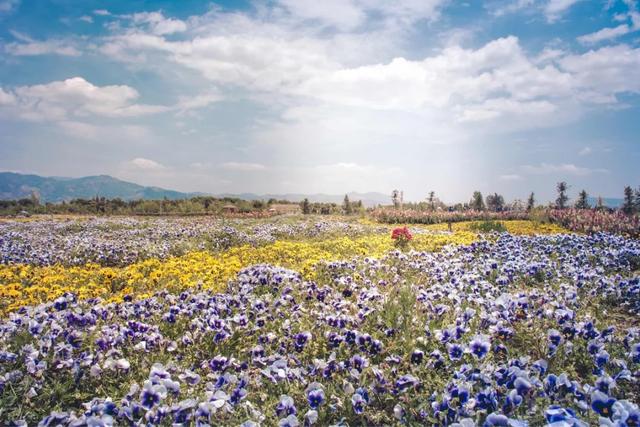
point(500, 8)
point(27, 46)
point(7, 6)
point(554, 9)
point(585, 151)
point(610, 33)
point(511, 177)
point(243, 167)
point(561, 169)
point(146, 164)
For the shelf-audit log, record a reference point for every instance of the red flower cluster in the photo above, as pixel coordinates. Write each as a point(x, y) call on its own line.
point(402, 233)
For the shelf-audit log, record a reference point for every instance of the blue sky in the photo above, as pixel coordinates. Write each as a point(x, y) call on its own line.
point(340, 95)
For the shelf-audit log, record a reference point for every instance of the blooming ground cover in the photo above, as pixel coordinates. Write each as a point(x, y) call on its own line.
point(461, 328)
point(593, 221)
point(121, 241)
point(411, 216)
point(24, 284)
point(578, 220)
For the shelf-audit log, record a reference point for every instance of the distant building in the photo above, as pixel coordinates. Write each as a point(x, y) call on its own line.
point(285, 208)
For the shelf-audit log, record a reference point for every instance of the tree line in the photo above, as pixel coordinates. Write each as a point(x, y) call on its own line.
point(103, 206)
point(495, 202)
point(200, 205)
point(347, 208)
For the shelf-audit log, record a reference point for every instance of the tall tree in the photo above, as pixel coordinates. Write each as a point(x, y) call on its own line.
point(531, 202)
point(637, 200)
point(396, 199)
point(432, 200)
point(495, 202)
point(346, 205)
point(561, 201)
point(627, 206)
point(582, 202)
point(306, 207)
point(477, 203)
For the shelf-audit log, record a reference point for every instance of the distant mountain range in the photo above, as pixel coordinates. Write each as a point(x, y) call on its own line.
point(57, 189)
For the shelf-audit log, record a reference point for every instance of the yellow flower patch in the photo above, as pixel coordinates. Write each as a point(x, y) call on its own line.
point(22, 285)
point(516, 227)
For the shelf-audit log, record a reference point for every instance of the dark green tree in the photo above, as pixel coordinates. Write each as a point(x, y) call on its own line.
point(582, 202)
point(306, 207)
point(346, 205)
point(561, 201)
point(477, 202)
point(628, 205)
point(495, 202)
point(432, 200)
point(531, 202)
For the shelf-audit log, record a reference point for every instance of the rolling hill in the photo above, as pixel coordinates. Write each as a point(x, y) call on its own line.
point(58, 189)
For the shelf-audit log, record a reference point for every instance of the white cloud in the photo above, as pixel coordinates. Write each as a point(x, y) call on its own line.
point(291, 62)
point(509, 6)
point(342, 14)
point(7, 6)
point(101, 12)
point(499, 107)
point(6, 98)
point(605, 34)
point(548, 55)
point(599, 75)
point(202, 100)
point(585, 151)
point(76, 97)
point(347, 15)
point(484, 83)
point(561, 169)
point(243, 167)
point(555, 8)
point(146, 164)
point(253, 61)
point(86, 18)
point(158, 24)
point(26, 46)
point(511, 177)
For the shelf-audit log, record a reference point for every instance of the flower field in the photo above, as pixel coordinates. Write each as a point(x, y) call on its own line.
point(303, 322)
point(593, 221)
point(578, 220)
point(399, 216)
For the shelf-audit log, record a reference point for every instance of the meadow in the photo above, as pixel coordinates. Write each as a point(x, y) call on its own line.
point(320, 320)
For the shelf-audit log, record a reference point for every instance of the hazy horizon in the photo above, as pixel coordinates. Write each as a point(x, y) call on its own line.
point(407, 198)
point(325, 97)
